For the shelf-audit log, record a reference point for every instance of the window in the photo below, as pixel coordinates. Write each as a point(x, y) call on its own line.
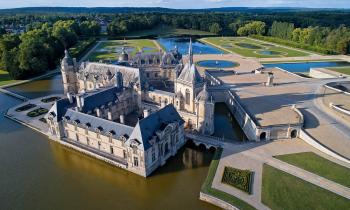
point(87, 141)
point(153, 156)
point(99, 145)
point(134, 150)
point(156, 75)
point(112, 151)
point(77, 137)
point(124, 154)
point(147, 75)
point(136, 162)
point(187, 97)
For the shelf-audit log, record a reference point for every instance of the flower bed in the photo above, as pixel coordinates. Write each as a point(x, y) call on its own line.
point(25, 107)
point(51, 99)
point(37, 112)
point(237, 178)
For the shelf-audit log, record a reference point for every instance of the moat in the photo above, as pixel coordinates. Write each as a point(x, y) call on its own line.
point(37, 173)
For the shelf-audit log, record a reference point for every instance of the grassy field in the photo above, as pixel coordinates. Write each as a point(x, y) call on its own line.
point(342, 70)
point(163, 31)
point(110, 50)
point(253, 48)
point(206, 187)
point(5, 78)
point(318, 165)
point(281, 190)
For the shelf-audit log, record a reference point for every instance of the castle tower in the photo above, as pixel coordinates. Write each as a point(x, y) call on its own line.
point(205, 111)
point(69, 74)
point(189, 83)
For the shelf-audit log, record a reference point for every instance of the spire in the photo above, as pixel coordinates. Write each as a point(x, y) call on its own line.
point(190, 53)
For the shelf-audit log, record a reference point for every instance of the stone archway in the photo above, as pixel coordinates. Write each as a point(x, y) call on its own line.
point(294, 134)
point(263, 136)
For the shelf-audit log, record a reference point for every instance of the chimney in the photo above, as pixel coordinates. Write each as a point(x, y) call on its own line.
point(70, 98)
point(80, 101)
point(145, 113)
point(270, 79)
point(122, 119)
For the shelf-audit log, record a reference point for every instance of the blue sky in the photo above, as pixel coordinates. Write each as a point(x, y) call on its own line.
point(178, 3)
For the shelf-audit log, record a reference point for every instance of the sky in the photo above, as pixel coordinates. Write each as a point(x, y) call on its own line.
point(181, 4)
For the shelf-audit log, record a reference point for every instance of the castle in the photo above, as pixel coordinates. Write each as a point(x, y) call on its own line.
point(133, 113)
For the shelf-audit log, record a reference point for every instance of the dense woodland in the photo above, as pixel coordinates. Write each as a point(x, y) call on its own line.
point(48, 34)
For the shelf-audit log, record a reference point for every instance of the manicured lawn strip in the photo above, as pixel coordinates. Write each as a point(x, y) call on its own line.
point(281, 190)
point(232, 44)
point(5, 78)
point(206, 187)
point(343, 70)
point(110, 47)
point(318, 165)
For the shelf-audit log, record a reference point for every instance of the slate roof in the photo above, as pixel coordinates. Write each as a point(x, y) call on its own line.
point(190, 74)
point(106, 126)
point(100, 97)
point(147, 127)
point(58, 110)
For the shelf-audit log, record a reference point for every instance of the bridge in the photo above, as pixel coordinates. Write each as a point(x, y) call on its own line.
point(207, 141)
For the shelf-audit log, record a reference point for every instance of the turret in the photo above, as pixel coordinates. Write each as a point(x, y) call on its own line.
point(124, 57)
point(69, 74)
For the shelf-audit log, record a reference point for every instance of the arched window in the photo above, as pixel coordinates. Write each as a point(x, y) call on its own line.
point(187, 96)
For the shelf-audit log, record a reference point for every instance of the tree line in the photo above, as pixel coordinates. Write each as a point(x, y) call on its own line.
point(40, 49)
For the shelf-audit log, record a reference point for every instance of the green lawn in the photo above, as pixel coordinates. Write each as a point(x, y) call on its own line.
point(281, 190)
point(163, 31)
point(5, 78)
point(206, 187)
point(107, 50)
point(236, 45)
point(318, 165)
point(342, 70)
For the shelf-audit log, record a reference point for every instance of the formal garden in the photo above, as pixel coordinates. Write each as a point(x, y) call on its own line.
point(25, 107)
point(253, 48)
point(240, 179)
point(109, 51)
point(281, 190)
point(37, 112)
point(207, 189)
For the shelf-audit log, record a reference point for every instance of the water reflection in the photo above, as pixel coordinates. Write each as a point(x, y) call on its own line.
point(226, 125)
point(40, 88)
point(182, 45)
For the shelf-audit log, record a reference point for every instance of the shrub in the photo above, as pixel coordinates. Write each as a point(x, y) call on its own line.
point(240, 179)
point(51, 99)
point(37, 112)
point(25, 107)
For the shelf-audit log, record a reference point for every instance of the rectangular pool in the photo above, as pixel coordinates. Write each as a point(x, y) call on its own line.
point(306, 66)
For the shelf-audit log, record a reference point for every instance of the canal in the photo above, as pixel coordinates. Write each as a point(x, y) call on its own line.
point(37, 173)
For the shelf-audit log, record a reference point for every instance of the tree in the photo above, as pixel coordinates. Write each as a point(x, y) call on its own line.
point(66, 32)
point(255, 27)
point(215, 28)
point(89, 28)
point(9, 53)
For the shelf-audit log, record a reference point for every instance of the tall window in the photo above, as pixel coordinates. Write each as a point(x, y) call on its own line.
point(136, 162)
point(112, 151)
point(124, 154)
point(99, 145)
point(153, 154)
point(187, 97)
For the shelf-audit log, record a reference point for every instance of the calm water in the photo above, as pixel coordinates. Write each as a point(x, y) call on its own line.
point(216, 64)
point(305, 66)
point(183, 44)
point(226, 125)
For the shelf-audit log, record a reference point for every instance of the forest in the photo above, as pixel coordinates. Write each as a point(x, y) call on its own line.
point(47, 34)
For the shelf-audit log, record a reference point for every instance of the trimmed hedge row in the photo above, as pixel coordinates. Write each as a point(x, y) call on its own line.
point(294, 44)
point(79, 49)
point(37, 112)
point(237, 178)
point(25, 107)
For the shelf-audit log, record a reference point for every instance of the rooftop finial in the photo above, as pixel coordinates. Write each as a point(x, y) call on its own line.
point(190, 53)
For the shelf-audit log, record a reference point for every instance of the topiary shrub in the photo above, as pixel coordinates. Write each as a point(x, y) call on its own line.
point(25, 107)
point(237, 178)
point(37, 112)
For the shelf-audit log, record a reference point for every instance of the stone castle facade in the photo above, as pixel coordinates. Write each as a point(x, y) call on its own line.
point(117, 112)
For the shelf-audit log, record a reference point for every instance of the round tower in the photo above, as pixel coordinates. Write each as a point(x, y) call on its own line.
point(69, 74)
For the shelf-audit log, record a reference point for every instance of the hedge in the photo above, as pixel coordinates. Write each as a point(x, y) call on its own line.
point(37, 112)
point(237, 178)
point(294, 44)
point(25, 107)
